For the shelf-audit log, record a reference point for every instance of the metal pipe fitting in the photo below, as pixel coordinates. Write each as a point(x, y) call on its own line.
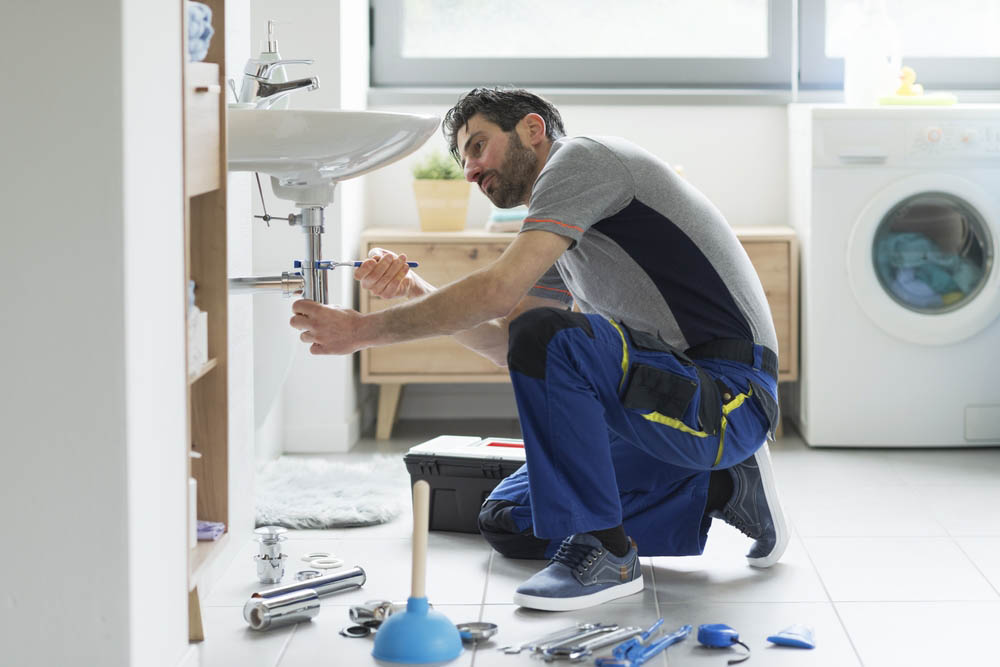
point(270, 561)
point(273, 612)
point(288, 283)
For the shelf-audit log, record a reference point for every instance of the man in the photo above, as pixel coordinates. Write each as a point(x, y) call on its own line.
point(643, 415)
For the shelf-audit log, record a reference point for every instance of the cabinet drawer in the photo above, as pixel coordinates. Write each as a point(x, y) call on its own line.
point(438, 359)
point(771, 259)
point(443, 263)
point(441, 357)
point(202, 97)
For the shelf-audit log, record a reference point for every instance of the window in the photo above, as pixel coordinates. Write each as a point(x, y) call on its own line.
point(950, 43)
point(586, 43)
point(708, 44)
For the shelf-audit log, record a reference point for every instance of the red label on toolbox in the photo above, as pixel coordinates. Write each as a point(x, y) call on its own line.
point(518, 445)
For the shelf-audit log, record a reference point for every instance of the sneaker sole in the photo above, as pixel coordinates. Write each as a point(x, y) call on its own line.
point(763, 459)
point(581, 601)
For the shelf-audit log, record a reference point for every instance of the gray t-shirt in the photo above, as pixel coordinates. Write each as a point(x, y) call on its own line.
point(648, 249)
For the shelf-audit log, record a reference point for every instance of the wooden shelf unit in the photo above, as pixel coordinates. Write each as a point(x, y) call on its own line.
point(204, 112)
point(448, 256)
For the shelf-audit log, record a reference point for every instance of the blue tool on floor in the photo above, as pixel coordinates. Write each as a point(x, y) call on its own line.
point(720, 635)
point(799, 636)
point(419, 634)
point(633, 653)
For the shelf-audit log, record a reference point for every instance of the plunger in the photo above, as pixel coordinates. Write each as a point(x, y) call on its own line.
point(419, 634)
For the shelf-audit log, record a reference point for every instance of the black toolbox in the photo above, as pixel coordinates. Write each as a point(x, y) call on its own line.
point(462, 471)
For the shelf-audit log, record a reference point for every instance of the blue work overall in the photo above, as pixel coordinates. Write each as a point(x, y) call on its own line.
point(620, 428)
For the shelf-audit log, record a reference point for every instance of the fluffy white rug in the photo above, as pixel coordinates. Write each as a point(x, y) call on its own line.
point(308, 492)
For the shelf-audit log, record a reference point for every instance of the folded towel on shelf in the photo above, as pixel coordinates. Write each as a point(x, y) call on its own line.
point(199, 30)
point(210, 530)
point(506, 220)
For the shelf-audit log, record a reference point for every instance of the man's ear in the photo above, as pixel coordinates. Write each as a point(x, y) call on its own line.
point(532, 129)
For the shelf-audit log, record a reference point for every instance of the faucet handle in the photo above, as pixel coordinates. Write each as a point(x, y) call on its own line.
point(261, 69)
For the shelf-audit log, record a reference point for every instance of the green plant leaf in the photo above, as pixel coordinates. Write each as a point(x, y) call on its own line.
point(438, 166)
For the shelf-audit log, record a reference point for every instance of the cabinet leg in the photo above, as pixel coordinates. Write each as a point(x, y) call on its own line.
point(388, 403)
point(195, 631)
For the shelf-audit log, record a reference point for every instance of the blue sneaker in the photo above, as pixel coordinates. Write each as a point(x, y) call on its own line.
point(754, 509)
point(581, 574)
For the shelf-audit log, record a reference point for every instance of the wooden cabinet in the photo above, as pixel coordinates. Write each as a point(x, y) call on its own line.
point(205, 264)
point(447, 256)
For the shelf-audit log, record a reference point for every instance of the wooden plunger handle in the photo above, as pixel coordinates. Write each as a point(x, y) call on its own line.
point(421, 514)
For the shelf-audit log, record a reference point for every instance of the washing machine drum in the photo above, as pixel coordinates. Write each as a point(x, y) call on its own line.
point(922, 260)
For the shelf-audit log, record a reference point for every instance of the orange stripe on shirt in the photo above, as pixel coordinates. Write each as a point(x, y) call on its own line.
point(553, 289)
point(579, 229)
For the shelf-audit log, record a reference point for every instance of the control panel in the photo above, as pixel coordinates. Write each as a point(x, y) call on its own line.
point(954, 140)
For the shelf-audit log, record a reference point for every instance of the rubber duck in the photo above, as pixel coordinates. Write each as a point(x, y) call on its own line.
point(907, 86)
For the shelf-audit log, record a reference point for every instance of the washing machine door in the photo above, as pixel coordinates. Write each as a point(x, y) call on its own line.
point(922, 259)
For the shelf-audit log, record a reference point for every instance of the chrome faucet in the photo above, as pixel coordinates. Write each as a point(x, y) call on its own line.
point(258, 89)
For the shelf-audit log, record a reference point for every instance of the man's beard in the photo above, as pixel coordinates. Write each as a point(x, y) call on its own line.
point(513, 181)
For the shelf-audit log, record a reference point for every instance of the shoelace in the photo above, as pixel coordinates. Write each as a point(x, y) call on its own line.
point(578, 557)
point(737, 522)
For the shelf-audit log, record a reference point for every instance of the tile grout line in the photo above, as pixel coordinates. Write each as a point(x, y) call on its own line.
point(974, 564)
point(284, 648)
point(833, 604)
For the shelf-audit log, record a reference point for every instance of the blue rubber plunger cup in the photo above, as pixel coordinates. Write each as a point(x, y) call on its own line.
point(419, 634)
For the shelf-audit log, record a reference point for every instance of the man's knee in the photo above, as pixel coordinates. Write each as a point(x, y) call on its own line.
point(499, 529)
point(530, 333)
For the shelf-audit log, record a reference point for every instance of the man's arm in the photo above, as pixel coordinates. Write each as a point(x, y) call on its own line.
point(490, 293)
point(490, 338)
point(386, 275)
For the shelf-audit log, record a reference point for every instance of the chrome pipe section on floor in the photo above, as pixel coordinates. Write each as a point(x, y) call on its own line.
point(274, 612)
point(287, 283)
point(291, 603)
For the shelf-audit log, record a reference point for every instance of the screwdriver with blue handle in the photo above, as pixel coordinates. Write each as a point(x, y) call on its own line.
point(329, 264)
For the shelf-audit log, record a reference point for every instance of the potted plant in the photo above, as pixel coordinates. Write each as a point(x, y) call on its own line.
point(442, 193)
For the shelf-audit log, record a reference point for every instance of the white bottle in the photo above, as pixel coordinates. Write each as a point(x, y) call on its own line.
point(872, 61)
point(269, 53)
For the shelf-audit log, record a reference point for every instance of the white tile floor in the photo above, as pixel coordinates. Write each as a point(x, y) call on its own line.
point(894, 560)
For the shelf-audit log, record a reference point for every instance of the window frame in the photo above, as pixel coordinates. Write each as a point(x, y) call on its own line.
point(818, 72)
point(390, 69)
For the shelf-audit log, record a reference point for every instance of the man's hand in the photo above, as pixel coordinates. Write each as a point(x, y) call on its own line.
point(386, 274)
point(330, 330)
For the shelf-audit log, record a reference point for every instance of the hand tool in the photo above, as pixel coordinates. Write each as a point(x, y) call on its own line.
point(720, 635)
point(583, 649)
point(637, 654)
point(330, 264)
point(558, 635)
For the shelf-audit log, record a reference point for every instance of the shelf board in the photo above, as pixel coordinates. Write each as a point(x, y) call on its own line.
point(203, 371)
point(202, 556)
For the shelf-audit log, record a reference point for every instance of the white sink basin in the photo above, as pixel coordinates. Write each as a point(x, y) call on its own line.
point(307, 152)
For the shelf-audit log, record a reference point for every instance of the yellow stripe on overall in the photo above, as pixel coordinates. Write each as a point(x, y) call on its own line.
point(676, 423)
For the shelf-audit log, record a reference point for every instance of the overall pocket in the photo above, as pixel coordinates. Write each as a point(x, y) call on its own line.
point(656, 390)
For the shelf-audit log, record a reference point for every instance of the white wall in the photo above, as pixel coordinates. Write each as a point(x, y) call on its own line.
point(736, 155)
point(91, 340)
point(92, 353)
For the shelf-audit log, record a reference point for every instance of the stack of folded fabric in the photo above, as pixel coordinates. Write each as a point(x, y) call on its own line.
point(506, 220)
point(210, 530)
point(199, 29)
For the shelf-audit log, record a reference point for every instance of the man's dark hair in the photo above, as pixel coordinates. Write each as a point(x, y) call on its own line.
point(503, 106)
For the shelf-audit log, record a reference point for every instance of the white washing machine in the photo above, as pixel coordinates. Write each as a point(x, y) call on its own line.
point(898, 215)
